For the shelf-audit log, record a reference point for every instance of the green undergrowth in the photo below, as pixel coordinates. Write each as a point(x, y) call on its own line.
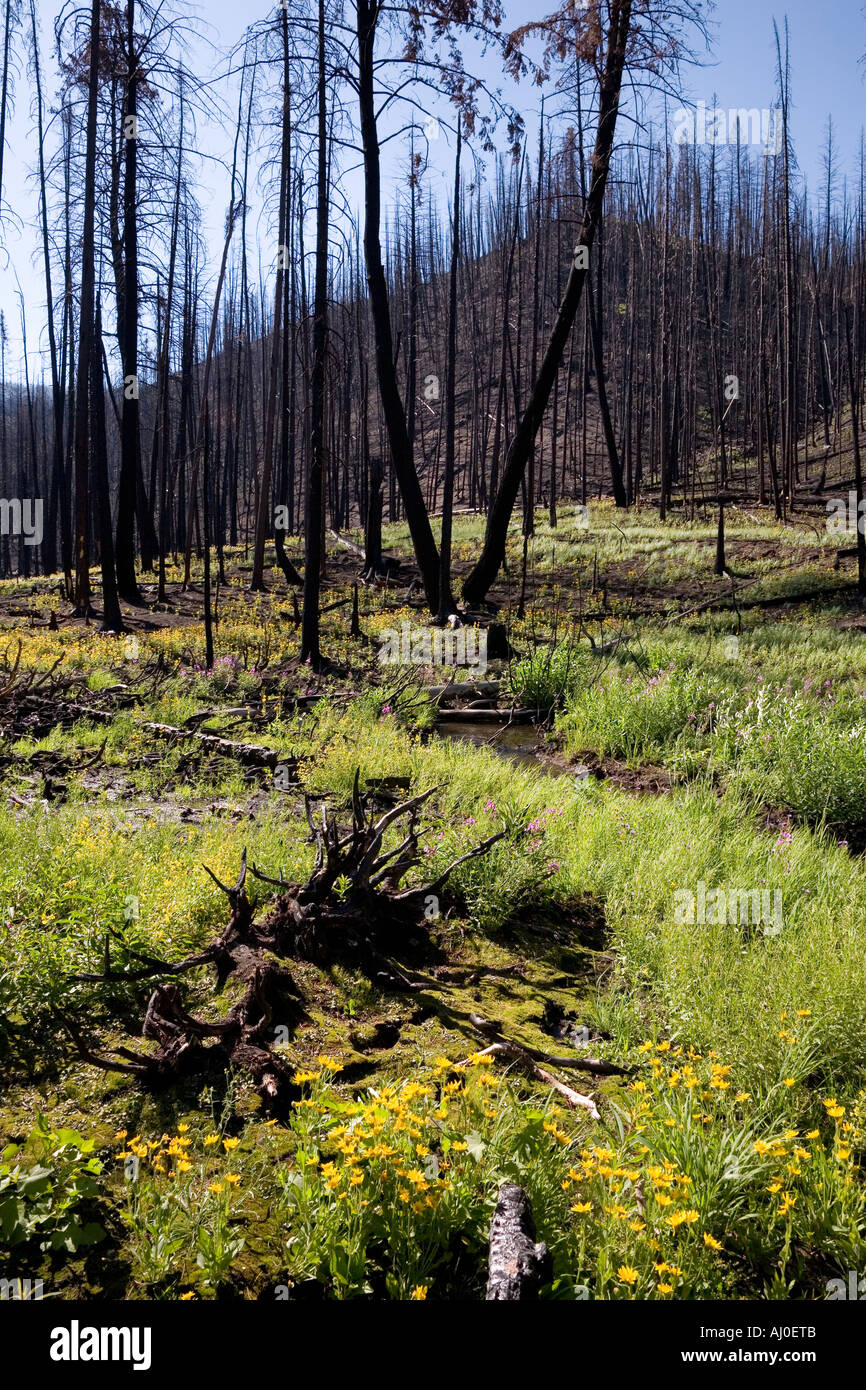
point(710, 940)
point(793, 1035)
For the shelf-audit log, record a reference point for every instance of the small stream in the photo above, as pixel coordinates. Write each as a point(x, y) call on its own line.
point(519, 742)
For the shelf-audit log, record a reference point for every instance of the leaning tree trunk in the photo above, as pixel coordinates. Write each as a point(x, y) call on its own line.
point(490, 561)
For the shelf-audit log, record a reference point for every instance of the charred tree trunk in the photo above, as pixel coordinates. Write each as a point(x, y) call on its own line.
point(313, 546)
point(280, 340)
point(111, 616)
point(130, 426)
point(486, 569)
point(85, 334)
point(367, 14)
point(446, 601)
point(858, 465)
point(373, 523)
point(58, 518)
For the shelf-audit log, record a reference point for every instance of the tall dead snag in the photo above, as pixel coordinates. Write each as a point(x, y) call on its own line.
point(588, 37)
point(446, 601)
point(58, 518)
point(10, 20)
point(432, 39)
point(596, 333)
point(112, 619)
point(854, 387)
point(201, 430)
point(359, 927)
point(393, 408)
point(85, 333)
point(281, 345)
point(162, 428)
point(313, 540)
point(130, 421)
point(519, 1265)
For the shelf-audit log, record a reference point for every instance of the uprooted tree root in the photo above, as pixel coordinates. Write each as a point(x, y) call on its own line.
point(351, 911)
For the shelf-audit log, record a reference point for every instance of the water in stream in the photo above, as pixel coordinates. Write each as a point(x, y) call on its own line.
point(521, 742)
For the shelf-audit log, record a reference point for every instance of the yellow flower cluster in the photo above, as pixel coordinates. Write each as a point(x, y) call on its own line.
point(171, 1156)
point(636, 1198)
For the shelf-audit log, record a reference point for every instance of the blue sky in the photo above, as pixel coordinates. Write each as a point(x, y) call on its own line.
point(826, 41)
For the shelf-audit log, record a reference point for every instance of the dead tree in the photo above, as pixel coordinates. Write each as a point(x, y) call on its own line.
point(85, 333)
point(519, 1265)
point(314, 550)
point(486, 568)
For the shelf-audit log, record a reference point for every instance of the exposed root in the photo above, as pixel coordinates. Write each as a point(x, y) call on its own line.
point(351, 910)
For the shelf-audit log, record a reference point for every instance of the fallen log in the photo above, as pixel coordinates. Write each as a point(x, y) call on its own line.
point(251, 754)
point(347, 544)
point(724, 601)
point(518, 1265)
point(252, 712)
point(386, 566)
point(848, 552)
point(462, 690)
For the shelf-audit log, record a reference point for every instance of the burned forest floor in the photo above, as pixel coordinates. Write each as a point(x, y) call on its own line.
point(296, 967)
